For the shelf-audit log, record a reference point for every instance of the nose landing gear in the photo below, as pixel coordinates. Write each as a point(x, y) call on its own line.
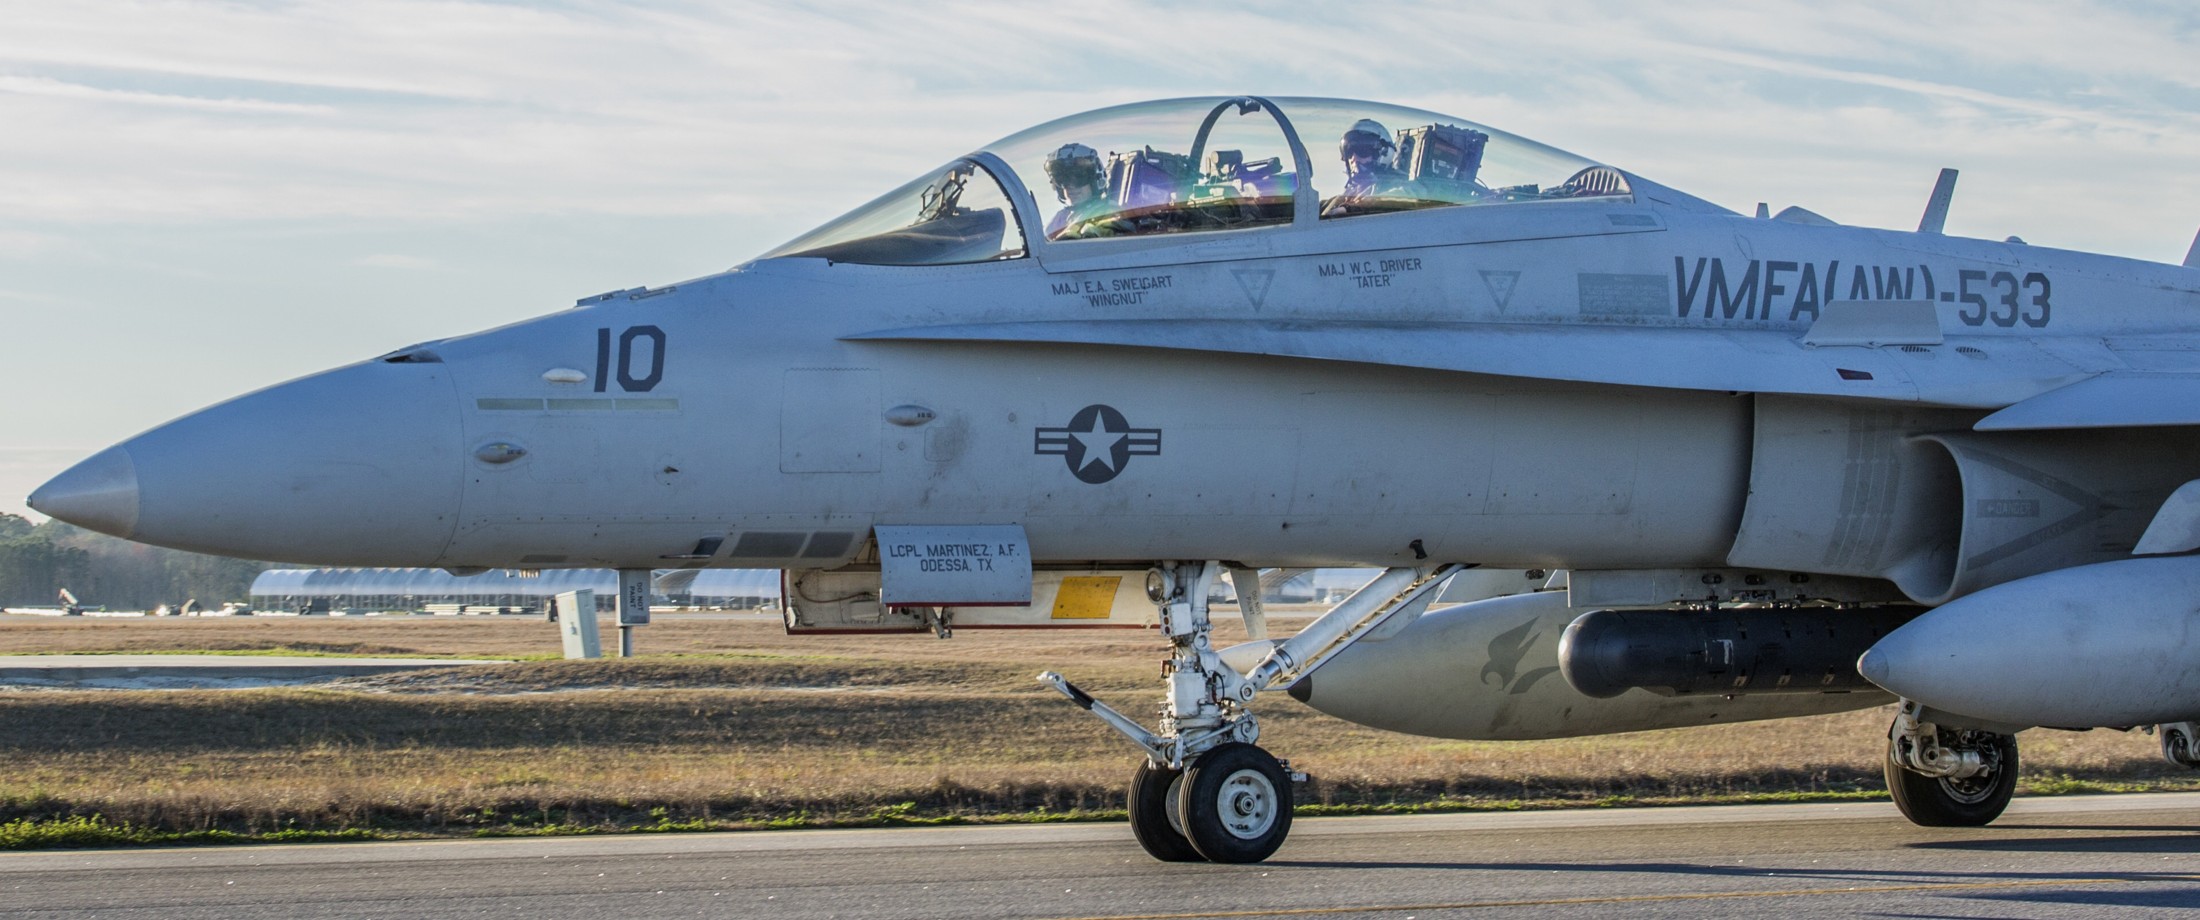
point(1943, 777)
point(1205, 792)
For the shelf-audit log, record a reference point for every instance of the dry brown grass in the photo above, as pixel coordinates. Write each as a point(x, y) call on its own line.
point(459, 637)
point(769, 728)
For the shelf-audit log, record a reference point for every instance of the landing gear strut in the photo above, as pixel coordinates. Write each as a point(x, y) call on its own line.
point(1943, 777)
point(1205, 791)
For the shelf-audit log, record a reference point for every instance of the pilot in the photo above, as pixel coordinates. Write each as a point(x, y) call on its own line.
point(1074, 171)
point(1367, 150)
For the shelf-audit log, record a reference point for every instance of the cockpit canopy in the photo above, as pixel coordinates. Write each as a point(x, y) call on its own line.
point(1195, 166)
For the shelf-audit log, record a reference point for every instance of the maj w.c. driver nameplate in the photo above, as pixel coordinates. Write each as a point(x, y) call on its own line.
point(966, 565)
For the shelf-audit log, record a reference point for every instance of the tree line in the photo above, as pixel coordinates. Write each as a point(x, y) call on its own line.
point(38, 560)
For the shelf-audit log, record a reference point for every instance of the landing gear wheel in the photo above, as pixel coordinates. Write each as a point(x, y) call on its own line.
point(1151, 802)
point(1235, 802)
point(1975, 801)
point(2177, 747)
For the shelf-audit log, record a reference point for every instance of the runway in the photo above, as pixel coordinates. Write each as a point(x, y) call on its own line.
point(2051, 858)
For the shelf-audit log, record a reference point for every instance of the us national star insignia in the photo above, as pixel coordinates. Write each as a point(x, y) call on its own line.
point(1097, 443)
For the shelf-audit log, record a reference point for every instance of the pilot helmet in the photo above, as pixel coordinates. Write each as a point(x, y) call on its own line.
point(1367, 136)
point(1071, 166)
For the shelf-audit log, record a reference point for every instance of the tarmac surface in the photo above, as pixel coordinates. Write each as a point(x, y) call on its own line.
point(178, 672)
point(2095, 856)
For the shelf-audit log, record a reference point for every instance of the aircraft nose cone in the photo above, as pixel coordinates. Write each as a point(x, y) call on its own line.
point(99, 494)
point(361, 465)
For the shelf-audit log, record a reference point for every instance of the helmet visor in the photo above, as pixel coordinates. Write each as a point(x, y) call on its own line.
point(1073, 170)
point(1357, 145)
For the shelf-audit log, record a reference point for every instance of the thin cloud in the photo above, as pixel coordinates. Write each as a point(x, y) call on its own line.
point(1947, 91)
point(42, 86)
point(30, 296)
point(395, 260)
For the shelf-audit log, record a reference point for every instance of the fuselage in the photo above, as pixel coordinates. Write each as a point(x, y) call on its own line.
point(741, 409)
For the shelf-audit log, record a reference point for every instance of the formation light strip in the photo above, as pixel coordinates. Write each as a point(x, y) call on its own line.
point(533, 404)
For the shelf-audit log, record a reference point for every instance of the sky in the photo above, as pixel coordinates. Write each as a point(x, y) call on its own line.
point(198, 199)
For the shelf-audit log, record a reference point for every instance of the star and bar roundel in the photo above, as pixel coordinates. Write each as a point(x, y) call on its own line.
point(1097, 443)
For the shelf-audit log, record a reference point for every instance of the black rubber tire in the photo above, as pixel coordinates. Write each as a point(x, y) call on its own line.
point(1929, 801)
point(2177, 749)
point(1149, 805)
point(1235, 802)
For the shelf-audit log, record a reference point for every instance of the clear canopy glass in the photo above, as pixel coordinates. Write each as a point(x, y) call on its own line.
point(1203, 165)
point(1180, 165)
point(955, 214)
point(1435, 161)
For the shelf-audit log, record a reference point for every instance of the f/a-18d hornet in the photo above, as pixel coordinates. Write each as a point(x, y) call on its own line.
point(1692, 466)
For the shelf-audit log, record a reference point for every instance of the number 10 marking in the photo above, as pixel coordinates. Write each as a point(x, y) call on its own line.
point(628, 379)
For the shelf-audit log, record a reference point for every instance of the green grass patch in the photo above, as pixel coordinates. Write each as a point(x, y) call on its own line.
point(93, 831)
point(2065, 784)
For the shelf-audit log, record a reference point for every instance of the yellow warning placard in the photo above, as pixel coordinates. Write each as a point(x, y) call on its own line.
point(1086, 597)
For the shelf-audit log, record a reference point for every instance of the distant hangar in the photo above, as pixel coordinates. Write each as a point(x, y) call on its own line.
point(525, 590)
point(497, 590)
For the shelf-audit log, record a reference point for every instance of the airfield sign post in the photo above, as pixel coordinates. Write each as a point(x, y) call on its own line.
point(633, 607)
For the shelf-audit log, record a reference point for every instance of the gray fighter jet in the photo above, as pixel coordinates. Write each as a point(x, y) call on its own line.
point(1703, 460)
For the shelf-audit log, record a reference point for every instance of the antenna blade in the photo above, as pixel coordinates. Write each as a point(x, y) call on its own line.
point(1936, 209)
point(2192, 256)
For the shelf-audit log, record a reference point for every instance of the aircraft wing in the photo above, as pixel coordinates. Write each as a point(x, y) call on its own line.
point(1988, 372)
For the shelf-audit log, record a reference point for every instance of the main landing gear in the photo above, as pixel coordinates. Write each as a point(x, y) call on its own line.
point(2178, 746)
point(1943, 777)
point(1205, 791)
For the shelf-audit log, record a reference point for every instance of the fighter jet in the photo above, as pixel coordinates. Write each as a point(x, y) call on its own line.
point(1722, 466)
